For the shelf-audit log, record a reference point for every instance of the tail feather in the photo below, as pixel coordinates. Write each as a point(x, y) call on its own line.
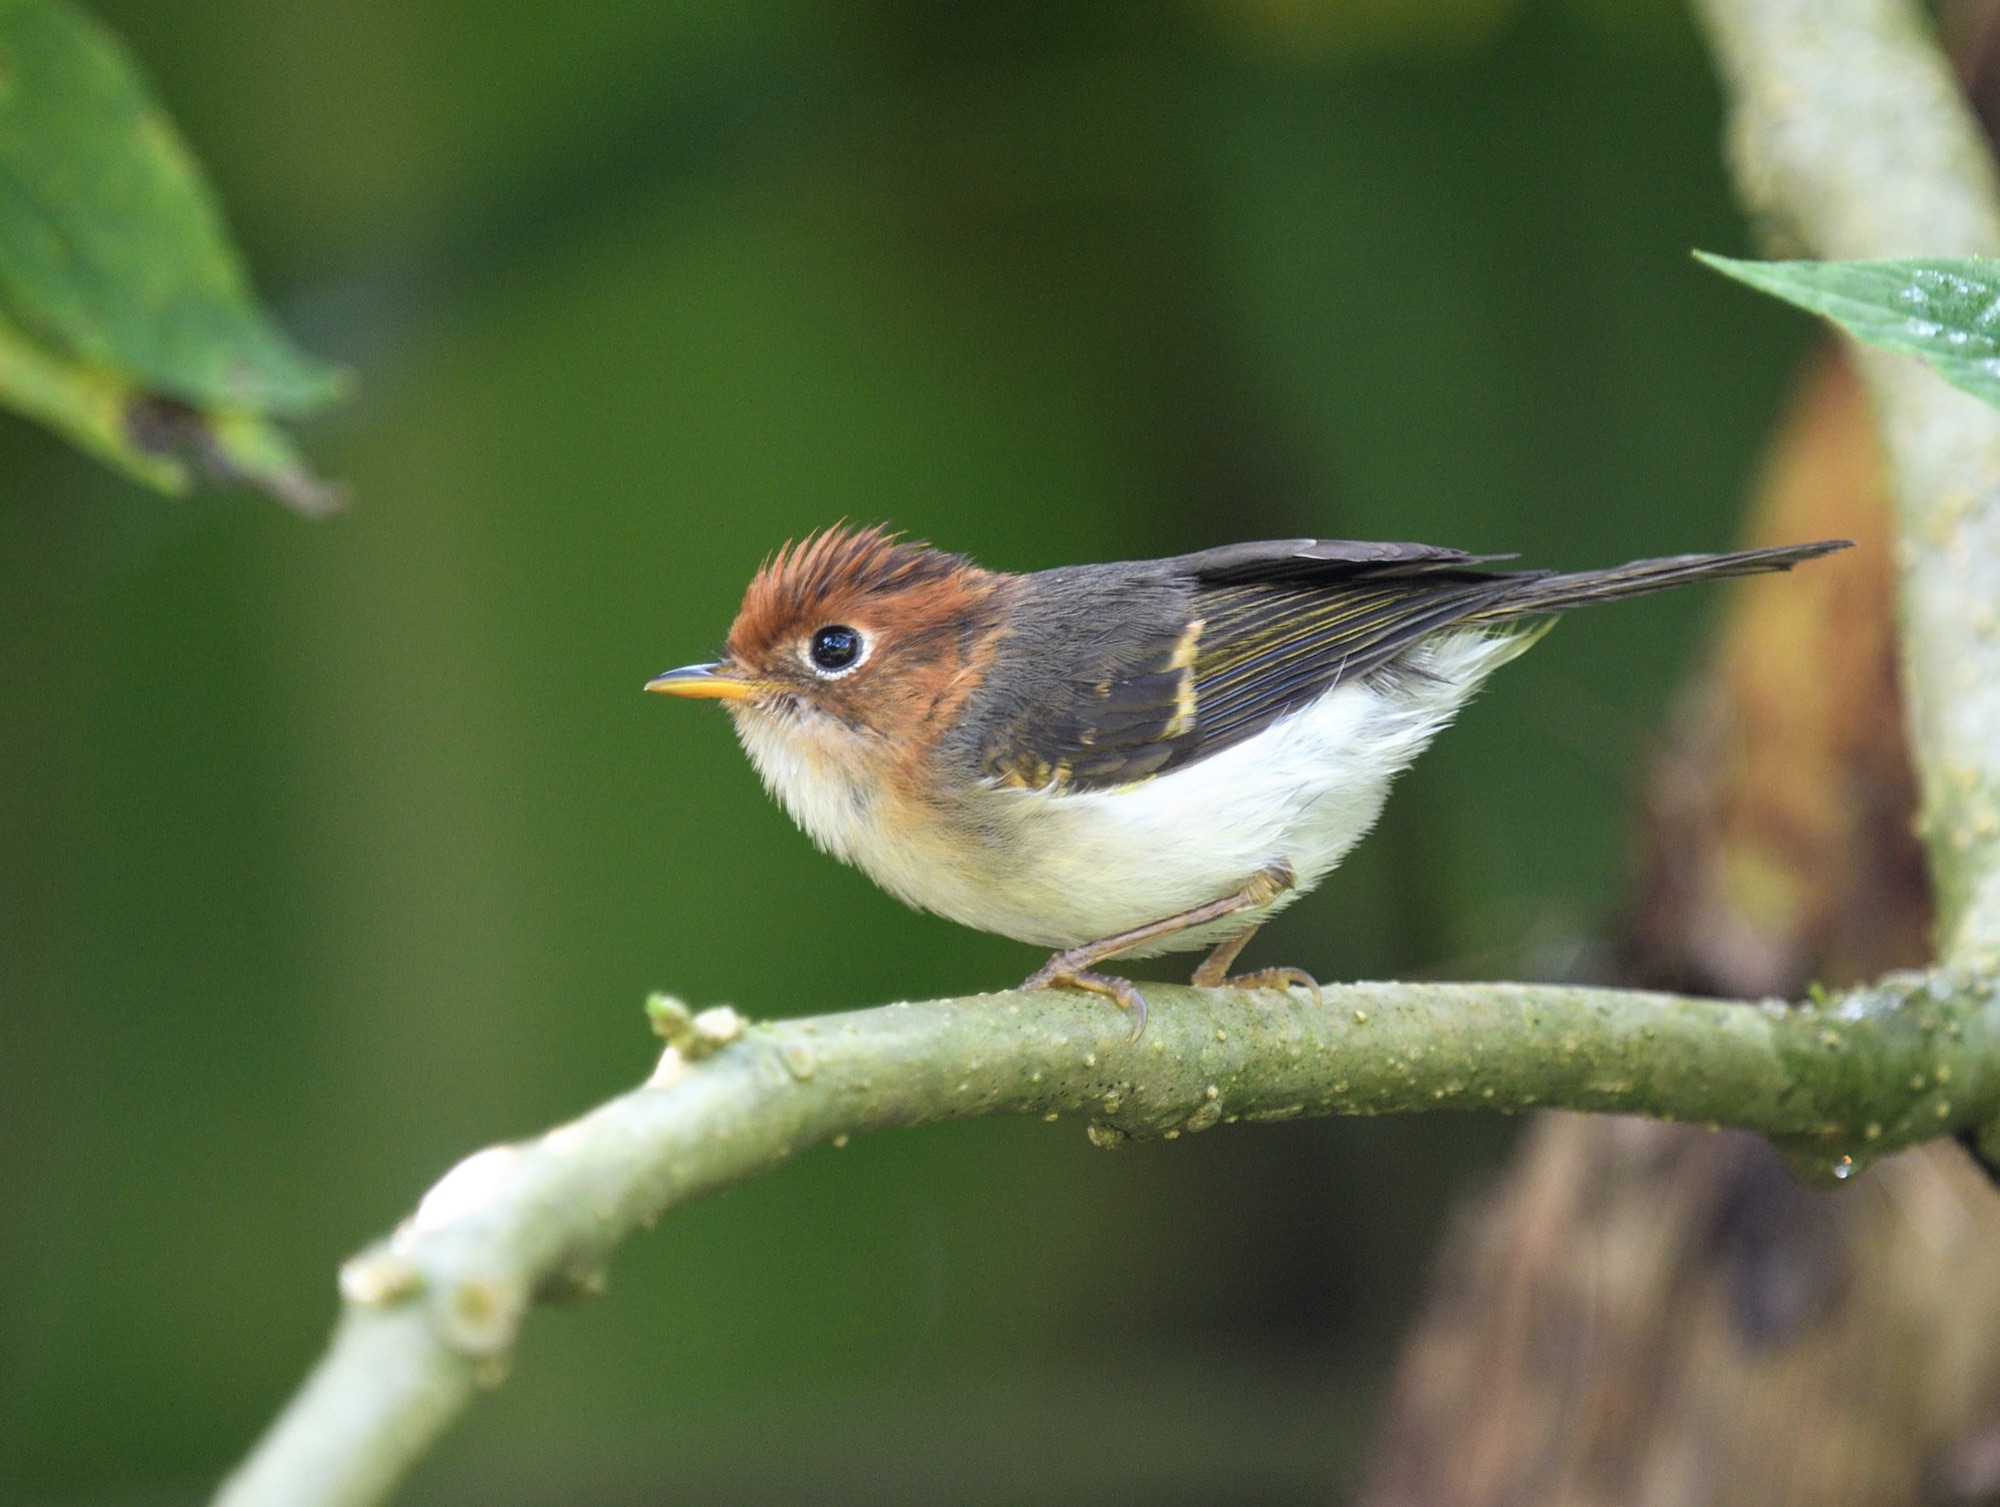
point(1559, 593)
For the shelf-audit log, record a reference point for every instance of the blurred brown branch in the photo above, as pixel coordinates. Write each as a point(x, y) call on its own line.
point(1776, 843)
point(1655, 1313)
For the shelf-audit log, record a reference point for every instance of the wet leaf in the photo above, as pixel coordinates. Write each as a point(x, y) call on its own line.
point(119, 286)
point(1943, 310)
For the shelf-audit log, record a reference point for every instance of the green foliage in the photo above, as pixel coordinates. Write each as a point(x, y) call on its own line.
point(1943, 310)
point(126, 320)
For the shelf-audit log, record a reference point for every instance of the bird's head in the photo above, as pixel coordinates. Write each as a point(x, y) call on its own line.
point(853, 636)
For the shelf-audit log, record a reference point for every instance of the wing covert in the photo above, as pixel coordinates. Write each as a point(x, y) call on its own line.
point(1117, 716)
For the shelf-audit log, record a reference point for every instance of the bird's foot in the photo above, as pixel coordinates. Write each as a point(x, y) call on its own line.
point(1063, 971)
point(1265, 978)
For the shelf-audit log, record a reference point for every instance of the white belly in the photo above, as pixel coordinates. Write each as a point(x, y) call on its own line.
point(1301, 793)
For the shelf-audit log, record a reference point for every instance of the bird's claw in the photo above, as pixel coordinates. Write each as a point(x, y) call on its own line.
point(1057, 973)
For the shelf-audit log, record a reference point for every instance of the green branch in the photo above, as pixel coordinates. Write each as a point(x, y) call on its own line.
point(432, 1312)
point(1850, 135)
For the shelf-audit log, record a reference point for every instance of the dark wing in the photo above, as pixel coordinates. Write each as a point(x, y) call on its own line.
point(1269, 650)
point(1137, 670)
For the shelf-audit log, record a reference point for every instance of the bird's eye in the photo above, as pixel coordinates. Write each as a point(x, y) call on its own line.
point(835, 648)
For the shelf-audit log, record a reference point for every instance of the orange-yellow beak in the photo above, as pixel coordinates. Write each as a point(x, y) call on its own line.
point(711, 681)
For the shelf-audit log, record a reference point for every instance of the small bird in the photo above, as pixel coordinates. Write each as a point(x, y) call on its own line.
point(1126, 759)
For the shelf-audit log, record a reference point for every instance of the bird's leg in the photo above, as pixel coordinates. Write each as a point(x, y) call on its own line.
point(1074, 969)
point(1214, 970)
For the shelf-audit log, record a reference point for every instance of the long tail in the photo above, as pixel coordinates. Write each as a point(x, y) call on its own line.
point(1541, 594)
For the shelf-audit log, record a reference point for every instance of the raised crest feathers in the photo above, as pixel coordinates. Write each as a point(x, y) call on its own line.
point(836, 573)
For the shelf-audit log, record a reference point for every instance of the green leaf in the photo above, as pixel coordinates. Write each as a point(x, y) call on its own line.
point(88, 406)
point(121, 296)
point(1944, 310)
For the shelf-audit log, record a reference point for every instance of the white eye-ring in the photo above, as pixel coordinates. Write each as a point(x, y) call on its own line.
point(836, 650)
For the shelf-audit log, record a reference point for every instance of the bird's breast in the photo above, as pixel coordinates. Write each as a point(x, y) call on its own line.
point(851, 793)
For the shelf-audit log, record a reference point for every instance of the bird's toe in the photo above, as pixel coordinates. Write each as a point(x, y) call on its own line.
point(1277, 978)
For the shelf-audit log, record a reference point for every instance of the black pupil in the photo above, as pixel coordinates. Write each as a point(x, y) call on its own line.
point(835, 648)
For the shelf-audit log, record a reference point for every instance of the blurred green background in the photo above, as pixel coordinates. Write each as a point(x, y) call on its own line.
point(329, 852)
